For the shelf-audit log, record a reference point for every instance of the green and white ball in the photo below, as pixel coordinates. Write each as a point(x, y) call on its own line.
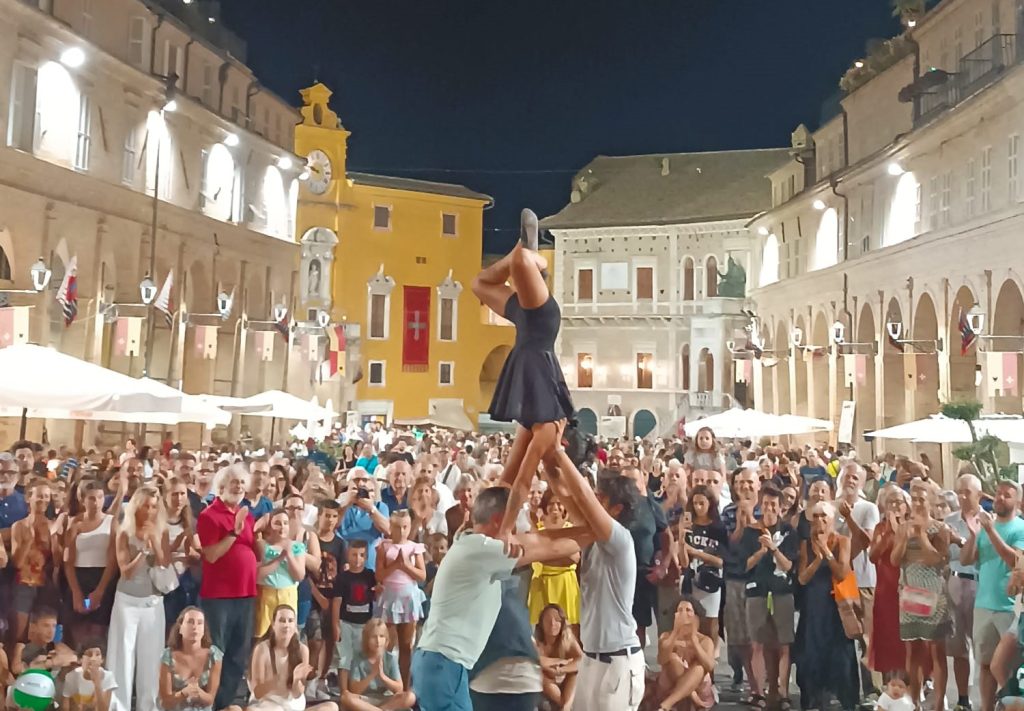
point(34, 690)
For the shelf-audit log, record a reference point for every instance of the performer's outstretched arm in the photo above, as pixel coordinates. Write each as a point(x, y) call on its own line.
point(592, 513)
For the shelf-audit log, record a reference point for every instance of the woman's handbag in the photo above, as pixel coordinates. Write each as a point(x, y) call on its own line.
point(918, 602)
point(847, 597)
point(164, 578)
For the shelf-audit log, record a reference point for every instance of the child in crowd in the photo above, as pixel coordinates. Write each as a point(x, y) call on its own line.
point(896, 696)
point(560, 654)
point(282, 567)
point(400, 569)
point(437, 549)
point(90, 687)
point(374, 682)
point(319, 630)
point(351, 606)
point(42, 650)
point(280, 668)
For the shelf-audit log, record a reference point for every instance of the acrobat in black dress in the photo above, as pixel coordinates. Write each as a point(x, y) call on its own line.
point(531, 388)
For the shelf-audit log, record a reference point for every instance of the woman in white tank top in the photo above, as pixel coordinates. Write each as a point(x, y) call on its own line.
point(90, 569)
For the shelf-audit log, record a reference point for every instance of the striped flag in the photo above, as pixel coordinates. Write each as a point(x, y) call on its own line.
point(165, 300)
point(206, 342)
point(967, 335)
point(265, 344)
point(335, 362)
point(67, 296)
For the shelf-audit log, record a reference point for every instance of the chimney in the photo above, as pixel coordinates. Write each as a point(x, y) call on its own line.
point(665, 167)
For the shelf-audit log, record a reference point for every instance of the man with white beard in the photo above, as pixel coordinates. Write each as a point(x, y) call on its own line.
point(228, 592)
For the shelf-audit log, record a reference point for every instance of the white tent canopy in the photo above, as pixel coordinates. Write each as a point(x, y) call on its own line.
point(447, 415)
point(285, 406)
point(753, 423)
point(945, 430)
point(48, 383)
point(237, 405)
point(193, 407)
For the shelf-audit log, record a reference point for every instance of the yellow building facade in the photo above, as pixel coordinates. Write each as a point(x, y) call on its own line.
point(396, 257)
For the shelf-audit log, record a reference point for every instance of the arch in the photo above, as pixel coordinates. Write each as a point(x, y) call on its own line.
point(926, 328)
point(705, 371)
point(902, 224)
point(801, 399)
point(275, 204)
point(864, 414)
point(783, 402)
point(769, 261)
point(688, 283)
point(962, 365)
point(893, 407)
point(826, 241)
point(710, 277)
point(491, 369)
point(5, 265)
point(820, 370)
point(218, 186)
point(587, 419)
point(684, 356)
point(644, 422)
point(1008, 320)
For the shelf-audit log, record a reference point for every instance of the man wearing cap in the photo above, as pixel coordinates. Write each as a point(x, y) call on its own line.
point(363, 518)
point(993, 544)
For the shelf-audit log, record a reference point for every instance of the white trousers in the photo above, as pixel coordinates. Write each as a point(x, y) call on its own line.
point(615, 686)
point(136, 640)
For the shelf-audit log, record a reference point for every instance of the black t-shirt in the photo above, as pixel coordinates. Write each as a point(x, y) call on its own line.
point(765, 577)
point(356, 593)
point(710, 539)
point(332, 561)
point(648, 523)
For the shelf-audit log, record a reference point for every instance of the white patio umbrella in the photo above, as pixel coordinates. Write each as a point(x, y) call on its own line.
point(42, 382)
point(753, 423)
point(237, 405)
point(446, 415)
point(285, 406)
point(193, 407)
point(939, 429)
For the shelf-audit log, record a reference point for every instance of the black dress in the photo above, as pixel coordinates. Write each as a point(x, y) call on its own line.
point(531, 388)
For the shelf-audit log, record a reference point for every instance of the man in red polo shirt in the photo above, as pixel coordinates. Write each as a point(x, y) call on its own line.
point(228, 592)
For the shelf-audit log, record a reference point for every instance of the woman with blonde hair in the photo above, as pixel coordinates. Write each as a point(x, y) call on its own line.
point(423, 505)
point(886, 651)
point(135, 640)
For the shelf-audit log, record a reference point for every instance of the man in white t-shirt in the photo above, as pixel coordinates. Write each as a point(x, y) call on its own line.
point(466, 600)
point(857, 519)
point(611, 672)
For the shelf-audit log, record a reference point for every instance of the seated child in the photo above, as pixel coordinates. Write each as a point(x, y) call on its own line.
point(278, 686)
point(896, 697)
point(351, 606)
point(374, 681)
point(90, 687)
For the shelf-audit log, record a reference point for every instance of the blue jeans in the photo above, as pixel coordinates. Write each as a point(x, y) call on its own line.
point(230, 621)
point(439, 683)
point(505, 702)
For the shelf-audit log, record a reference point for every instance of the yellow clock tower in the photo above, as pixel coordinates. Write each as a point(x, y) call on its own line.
point(393, 258)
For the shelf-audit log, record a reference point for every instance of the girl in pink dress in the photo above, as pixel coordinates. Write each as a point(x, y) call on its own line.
point(400, 569)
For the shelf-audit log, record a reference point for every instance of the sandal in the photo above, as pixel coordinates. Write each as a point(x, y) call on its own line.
point(759, 702)
point(785, 704)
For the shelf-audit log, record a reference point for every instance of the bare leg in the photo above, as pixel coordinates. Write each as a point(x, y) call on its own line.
point(569, 690)
point(962, 673)
point(939, 673)
point(758, 669)
point(988, 687)
point(543, 440)
point(515, 455)
point(490, 287)
point(685, 685)
point(406, 639)
point(526, 275)
point(401, 700)
point(552, 693)
point(784, 667)
point(325, 706)
point(1005, 659)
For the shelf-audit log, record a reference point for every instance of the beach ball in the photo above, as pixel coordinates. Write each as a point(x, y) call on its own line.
point(34, 690)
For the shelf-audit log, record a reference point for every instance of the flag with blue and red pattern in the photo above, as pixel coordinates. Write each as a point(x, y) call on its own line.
point(67, 296)
point(967, 334)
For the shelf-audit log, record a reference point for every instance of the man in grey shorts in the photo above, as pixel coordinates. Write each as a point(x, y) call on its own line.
point(962, 586)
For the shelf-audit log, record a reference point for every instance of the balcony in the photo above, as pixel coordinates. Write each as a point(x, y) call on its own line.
point(978, 70)
point(605, 311)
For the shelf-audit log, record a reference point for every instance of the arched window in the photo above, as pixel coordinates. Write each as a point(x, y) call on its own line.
point(5, 265)
point(769, 261)
point(711, 277)
point(688, 279)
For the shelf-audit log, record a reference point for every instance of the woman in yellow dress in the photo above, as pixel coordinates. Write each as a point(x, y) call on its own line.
point(555, 583)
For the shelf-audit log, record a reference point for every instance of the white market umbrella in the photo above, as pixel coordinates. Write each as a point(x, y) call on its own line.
point(446, 415)
point(939, 429)
point(286, 406)
point(737, 422)
point(42, 382)
point(193, 407)
point(237, 405)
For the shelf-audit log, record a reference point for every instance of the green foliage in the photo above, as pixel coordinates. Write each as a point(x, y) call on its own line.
point(985, 451)
point(881, 55)
point(967, 411)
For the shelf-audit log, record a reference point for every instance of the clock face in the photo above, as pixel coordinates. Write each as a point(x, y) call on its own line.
point(320, 172)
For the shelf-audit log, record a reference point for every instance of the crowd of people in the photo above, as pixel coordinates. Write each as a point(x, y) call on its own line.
point(160, 578)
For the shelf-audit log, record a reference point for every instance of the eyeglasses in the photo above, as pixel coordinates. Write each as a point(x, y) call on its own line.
point(293, 508)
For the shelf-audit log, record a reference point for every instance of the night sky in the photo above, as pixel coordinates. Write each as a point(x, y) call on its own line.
point(512, 97)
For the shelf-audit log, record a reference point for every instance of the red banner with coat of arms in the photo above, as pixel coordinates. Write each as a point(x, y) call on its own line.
point(416, 328)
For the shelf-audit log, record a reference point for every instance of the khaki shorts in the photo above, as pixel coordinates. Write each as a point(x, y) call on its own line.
point(736, 631)
point(773, 628)
point(867, 609)
point(989, 628)
point(961, 595)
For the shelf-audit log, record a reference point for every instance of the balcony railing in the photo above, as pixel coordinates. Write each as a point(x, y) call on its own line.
point(977, 70)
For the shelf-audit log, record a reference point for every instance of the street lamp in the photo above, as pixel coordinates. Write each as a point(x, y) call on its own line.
point(796, 336)
point(40, 275)
point(224, 305)
point(838, 332)
point(147, 289)
point(895, 169)
point(894, 328)
point(280, 311)
point(818, 204)
point(322, 318)
point(976, 320)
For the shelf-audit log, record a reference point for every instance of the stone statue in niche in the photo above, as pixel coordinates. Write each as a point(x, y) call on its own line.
point(732, 283)
point(318, 251)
